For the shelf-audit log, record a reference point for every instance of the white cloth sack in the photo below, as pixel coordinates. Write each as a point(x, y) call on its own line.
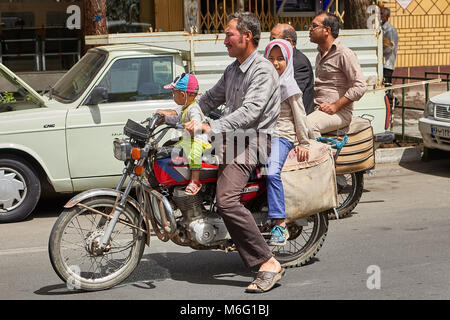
point(310, 186)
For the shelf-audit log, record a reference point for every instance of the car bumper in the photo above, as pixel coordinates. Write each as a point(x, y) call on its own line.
point(434, 141)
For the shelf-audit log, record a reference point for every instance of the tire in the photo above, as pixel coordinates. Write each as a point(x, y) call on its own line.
point(20, 189)
point(304, 241)
point(350, 188)
point(77, 229)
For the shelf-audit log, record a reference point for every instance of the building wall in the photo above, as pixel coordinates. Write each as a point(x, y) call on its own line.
point(424, 36)
point(169, 15)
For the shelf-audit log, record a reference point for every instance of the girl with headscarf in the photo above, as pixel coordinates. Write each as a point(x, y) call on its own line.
point(291, 132)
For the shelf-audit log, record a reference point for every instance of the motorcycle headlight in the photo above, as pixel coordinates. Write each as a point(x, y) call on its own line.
point(429, 109)
point(122, 149)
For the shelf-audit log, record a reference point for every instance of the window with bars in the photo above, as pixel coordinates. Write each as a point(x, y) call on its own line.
point(299, 13)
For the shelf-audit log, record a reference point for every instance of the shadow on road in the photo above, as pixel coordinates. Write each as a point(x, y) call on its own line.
point(56, 290)
point(440, 168)
point(49, 207)
point(215, 268)
point(199, 267)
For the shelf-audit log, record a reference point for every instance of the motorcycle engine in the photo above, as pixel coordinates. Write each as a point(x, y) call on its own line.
point(203, 227)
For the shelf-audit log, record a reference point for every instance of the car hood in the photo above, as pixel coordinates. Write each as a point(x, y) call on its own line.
point(35, 98)
point(443, 98)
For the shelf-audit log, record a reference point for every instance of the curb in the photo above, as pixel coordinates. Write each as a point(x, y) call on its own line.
point(398, 155)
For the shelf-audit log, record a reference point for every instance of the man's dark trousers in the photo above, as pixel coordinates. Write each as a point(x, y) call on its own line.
point(232, 178)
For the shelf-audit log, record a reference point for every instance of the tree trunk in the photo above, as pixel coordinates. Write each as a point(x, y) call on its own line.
point(355, 14)
point(94, 18)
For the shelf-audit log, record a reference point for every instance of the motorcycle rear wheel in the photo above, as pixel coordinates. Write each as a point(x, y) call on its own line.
point(350, 188)
point(304, 241)
point(79, 262)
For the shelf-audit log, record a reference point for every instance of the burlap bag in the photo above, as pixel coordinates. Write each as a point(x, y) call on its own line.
point(309, 187)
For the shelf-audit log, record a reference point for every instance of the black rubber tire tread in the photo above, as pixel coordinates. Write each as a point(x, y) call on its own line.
point(33, 188)
point(314, 247)
point(351, 205)
point(54, 245)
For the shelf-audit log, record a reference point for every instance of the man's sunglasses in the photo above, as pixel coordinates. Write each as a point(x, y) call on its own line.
point(315, 26)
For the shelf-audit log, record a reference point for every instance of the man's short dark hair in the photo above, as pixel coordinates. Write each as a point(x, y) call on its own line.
point(332, 21)
point(290, 33)
point(387, 11)
point(247, 21)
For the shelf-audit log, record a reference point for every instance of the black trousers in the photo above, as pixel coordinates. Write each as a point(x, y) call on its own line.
point(387, 73)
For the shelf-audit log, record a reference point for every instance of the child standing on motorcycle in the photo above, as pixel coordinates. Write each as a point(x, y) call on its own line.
point(185, 89)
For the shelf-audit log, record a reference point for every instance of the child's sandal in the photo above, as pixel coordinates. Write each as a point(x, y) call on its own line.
point(193, 188)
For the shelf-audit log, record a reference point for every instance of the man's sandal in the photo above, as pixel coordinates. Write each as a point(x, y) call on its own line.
point(193, 188)
point(265, 280)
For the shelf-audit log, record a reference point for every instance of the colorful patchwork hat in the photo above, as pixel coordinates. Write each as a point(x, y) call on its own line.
point(185, 82)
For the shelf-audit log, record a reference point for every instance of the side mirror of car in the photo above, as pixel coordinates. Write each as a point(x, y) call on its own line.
point(98, 95)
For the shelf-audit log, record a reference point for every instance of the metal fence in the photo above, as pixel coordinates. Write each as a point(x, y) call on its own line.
point(213, 14)
point(425, 81)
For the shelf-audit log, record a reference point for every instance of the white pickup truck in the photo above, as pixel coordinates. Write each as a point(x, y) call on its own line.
point(62, 140)
point(434, 126)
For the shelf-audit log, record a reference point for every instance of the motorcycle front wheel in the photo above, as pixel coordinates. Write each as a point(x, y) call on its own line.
point(74, 248)
point(304, 241)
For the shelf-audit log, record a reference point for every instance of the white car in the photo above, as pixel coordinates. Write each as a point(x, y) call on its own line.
point(435, 123)
point(63, 140)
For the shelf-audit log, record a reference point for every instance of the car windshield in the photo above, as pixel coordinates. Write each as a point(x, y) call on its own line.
point(75, 81)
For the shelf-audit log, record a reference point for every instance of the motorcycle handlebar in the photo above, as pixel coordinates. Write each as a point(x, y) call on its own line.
point(179, 126)
point(154, 120)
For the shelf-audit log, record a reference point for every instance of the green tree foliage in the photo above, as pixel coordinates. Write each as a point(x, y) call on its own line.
point(7, 97)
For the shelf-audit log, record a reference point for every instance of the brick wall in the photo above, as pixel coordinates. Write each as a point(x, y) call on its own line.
point(424, 36)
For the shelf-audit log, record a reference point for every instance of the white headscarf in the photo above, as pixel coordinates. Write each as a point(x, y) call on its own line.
point(288, 85)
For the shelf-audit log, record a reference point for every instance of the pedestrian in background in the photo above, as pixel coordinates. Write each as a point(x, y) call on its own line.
point(390, 45)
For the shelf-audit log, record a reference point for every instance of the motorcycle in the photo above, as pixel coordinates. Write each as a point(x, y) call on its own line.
point(100, 237)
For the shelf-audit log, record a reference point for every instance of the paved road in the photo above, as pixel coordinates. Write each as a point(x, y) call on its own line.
point(399, 232)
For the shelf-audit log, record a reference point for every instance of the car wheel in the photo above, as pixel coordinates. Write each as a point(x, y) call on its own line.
point(20, 189)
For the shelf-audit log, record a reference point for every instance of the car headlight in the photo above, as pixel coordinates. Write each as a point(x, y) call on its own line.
point(122, 149)
point(429, 109)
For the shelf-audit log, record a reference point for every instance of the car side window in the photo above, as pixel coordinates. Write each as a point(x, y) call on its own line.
point(137, 79)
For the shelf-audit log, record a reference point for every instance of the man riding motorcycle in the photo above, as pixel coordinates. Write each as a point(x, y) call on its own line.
point(249, 87)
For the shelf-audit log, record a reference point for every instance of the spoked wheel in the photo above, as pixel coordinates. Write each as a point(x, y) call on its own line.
point(306, 237)
point(350, 187)
point(74, 246)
